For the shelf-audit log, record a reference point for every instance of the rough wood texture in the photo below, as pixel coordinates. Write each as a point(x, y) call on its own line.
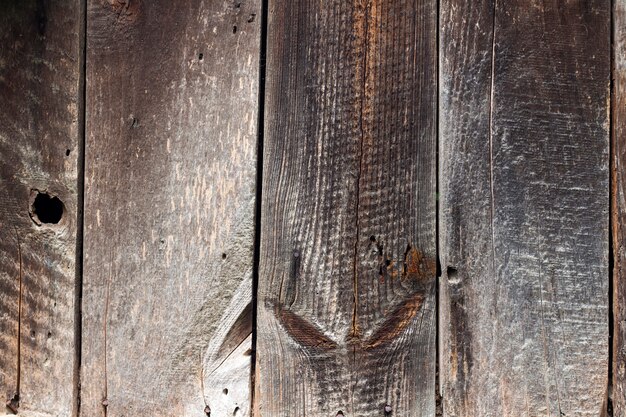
point(39, 148)
point(618, 209)
point(524, 107)
point(169, 222)
point(346, 322)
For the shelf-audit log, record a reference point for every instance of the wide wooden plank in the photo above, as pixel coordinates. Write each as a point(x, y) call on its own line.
point(40, 130)
point(524, 105)
point(346, 318)
point(170, 193)
point(618, 209)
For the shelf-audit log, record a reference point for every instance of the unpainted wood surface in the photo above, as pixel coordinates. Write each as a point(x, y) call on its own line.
point(169, 221)
point(39, 148)
point(618, 212)
point(346, 318)
point(524, 105)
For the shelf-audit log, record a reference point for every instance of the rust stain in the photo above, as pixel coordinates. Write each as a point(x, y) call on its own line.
point(417, 266)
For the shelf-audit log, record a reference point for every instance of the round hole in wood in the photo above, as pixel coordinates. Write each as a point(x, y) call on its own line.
point(46, 209)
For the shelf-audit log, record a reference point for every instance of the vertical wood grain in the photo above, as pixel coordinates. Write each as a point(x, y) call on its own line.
point(524, 105)
point(618, 209)
point(39, 154)
point(346, 310)
point(169, 221)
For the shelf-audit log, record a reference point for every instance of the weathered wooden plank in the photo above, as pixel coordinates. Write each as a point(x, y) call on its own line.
point(618, 209)
point(39, 153)
point(346, 319)
point(169, 221)
point(524, 106)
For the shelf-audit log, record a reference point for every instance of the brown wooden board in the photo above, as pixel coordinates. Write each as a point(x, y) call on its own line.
point(524, 134)
point(346, 302)
point(171, 119)
point(40, 130)
point(618, 210)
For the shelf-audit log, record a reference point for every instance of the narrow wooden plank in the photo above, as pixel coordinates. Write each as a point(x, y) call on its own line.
point(169, 222)
point(39, 153)
point(346, 319)
point(524, 106)
point(618, 209)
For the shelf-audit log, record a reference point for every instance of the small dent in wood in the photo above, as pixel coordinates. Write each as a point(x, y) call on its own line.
point(45, 209)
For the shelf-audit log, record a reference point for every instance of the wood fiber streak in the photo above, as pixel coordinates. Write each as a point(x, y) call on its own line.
point(39, 150)
point(346, 318)
point(524, 129)
point(171, 128)
point(618, 212)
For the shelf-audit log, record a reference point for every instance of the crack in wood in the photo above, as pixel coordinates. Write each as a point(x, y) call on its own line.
point(13, 403)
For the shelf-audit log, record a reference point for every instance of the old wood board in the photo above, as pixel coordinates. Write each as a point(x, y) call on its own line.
point(171, 119)
point(524, 135)
point(40, 147)
point(618, 209)
point(346, 317)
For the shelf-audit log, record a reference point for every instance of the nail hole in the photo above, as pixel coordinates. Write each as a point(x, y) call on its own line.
point(207, 410)
point(46, 209)
point(32, 334)
point(339, 413)
point(200, 57)
point(67, 152)
point(234, 29)
point(49, 335)
point(451, 271)
point(251, 18)
point(224, 255)
point(373, 238)
point(225, 391)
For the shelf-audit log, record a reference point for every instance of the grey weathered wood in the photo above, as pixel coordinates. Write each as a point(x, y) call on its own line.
point(39, 152)
point(524, 105)
point(169, 221)
point(346, 318)
point(618, 210)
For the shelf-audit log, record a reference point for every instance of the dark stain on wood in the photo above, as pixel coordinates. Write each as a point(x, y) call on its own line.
point(395, 323)
point(303, 332)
